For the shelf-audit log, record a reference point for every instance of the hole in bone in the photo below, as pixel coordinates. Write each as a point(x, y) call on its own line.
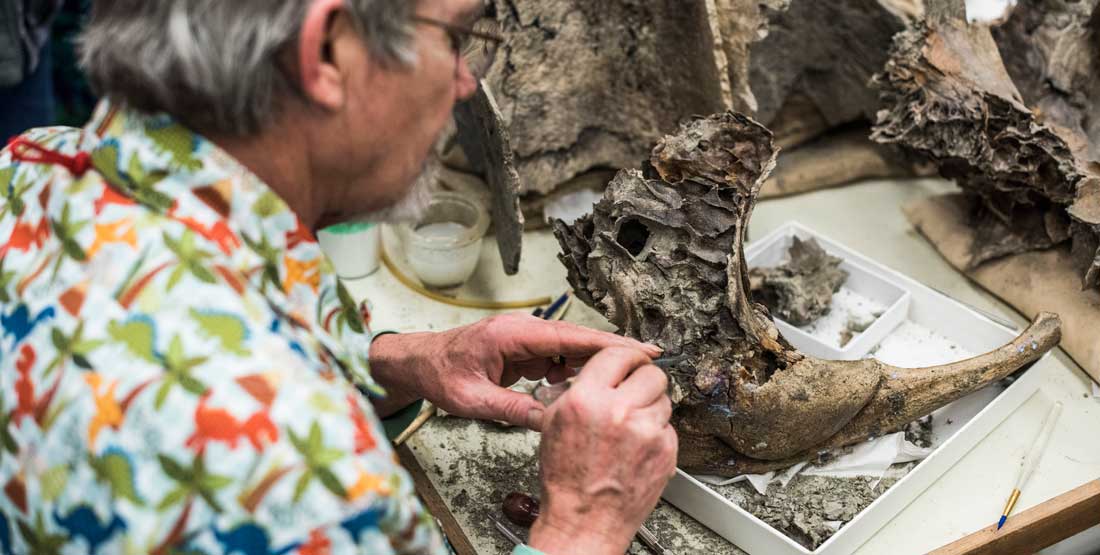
point(633, 236)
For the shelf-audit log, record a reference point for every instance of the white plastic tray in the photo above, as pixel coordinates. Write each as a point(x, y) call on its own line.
point(863, 279)
point(974, 417)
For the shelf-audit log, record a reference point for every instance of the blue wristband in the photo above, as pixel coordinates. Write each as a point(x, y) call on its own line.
point(526, 550)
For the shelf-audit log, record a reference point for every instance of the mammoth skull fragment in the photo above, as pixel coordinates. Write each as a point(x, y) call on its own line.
point(662, 257)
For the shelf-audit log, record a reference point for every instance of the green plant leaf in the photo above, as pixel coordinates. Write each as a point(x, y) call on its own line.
point(331, 483)
point(296, 441)
point(174, 470)
point(174, 355)
point(301, 485)
point(162, 394)
point(52, 482)
point(174, 497)
point(215, 482)
point(174, 279)
point(325, 457)
point(82, 362)
point(351, 313)
point(315, 441)
point(210, 500)
point(73, 250)
point(202, 273)
point(60, 342)
point(53, 413)
point(5, 436)
point(192, 385)
point(88, 345)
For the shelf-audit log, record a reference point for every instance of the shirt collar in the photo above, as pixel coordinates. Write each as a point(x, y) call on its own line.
point(171, 166)
point(185, 176)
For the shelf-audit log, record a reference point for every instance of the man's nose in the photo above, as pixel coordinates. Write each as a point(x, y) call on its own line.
point(465, 82)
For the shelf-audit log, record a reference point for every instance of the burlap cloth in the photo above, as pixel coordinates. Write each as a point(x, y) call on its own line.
point(1030, 282)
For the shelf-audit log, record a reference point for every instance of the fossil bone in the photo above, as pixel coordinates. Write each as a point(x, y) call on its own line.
point(801, 290)
point(1012, 120)
point(662, 257)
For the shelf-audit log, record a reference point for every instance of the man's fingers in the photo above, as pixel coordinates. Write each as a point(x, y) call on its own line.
point(513, 407)
point(660, 411)
point(610, 366)
point(645, 386)
point(579, 342)
point(535, 338)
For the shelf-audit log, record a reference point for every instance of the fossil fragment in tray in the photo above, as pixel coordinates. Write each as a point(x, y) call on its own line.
point(801, 290)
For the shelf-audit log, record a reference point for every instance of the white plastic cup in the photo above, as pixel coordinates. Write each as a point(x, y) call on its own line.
point(353, 248)
point(443, 248)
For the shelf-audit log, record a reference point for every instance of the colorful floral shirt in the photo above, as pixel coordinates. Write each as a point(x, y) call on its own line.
point(180, 370)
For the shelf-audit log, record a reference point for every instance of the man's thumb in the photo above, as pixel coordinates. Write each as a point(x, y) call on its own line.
point(516, 408)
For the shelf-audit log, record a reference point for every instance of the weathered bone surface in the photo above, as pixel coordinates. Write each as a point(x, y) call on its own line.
point(823, 51)
point(587, 85)
point(662, 258)
point(949, 98)
point(1050, 49)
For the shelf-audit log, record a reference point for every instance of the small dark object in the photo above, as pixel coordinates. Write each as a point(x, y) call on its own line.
point(521, 509)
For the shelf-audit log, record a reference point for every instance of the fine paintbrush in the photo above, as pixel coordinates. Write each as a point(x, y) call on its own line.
point(1031, 461)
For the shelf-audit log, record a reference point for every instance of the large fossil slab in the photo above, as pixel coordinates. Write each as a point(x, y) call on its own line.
point(662, 258)
point(588, 85)
point(1013, 121)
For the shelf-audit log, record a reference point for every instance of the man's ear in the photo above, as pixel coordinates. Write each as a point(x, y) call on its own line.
point(324, 80)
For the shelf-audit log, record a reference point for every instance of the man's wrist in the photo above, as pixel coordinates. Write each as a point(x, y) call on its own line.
point(554, 539)
point(394, 367)
point(526, 550)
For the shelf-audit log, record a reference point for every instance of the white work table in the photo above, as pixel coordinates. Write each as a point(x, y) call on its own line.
point(458, 456)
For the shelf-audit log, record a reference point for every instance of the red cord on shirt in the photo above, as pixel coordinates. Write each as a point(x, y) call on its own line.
point(24, 150)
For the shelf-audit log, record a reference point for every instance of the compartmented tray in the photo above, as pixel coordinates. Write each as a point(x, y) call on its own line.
point(972, 417)
point(863, 282)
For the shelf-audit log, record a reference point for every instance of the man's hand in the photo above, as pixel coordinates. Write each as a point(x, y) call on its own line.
point(607, 452)
point(466, 371)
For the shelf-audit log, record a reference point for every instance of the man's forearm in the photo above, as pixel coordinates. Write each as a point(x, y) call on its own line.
point(394, 365)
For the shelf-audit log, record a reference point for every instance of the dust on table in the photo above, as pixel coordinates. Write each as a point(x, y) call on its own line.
point(851, 314)
point(810, 509)
point(474, 465)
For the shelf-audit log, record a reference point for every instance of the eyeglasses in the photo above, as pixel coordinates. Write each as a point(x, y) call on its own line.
point(476, 44)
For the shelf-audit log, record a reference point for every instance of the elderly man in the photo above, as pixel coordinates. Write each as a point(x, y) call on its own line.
point(181, 371)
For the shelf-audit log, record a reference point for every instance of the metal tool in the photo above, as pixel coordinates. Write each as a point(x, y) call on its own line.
point(644, 535)
point(649, 540)
point(508, 533)
point(548, 393)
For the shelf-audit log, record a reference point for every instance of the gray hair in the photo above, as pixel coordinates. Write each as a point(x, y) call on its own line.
point(215, 64)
